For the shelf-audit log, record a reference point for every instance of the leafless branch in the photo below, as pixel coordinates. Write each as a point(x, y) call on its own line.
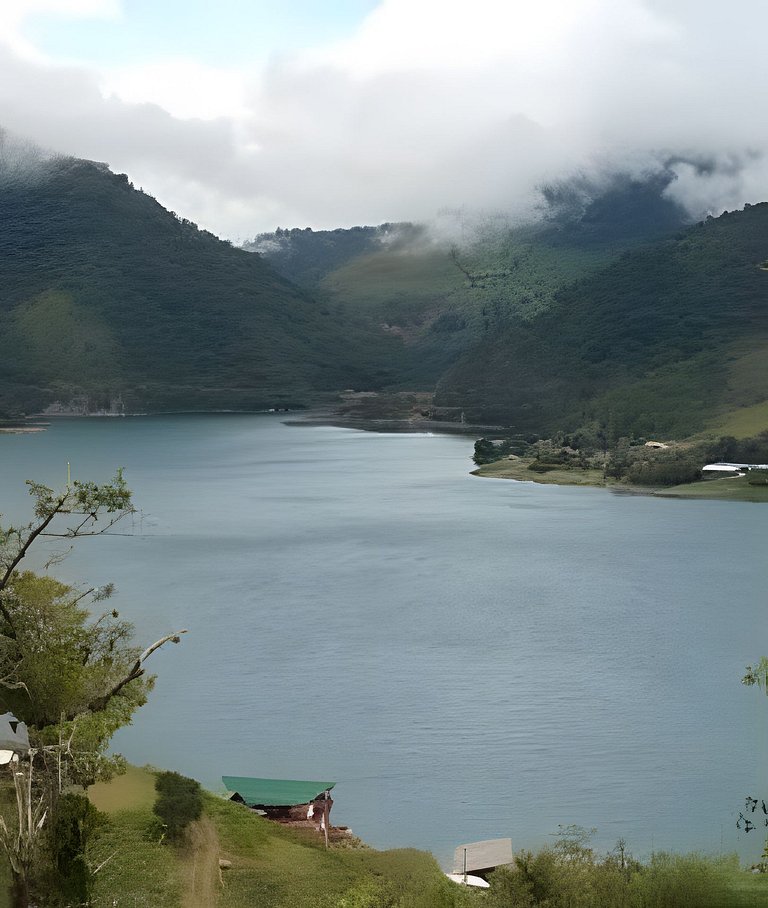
point(137, 670)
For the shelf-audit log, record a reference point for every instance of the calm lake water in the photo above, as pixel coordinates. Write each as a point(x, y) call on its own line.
point(467, 658)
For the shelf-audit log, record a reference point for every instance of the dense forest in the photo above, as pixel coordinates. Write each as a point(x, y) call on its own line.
point(104, 293)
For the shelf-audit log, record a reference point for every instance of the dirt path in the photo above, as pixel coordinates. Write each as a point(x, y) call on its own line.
point(202, 882)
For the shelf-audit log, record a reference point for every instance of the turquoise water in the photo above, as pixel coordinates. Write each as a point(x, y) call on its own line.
point(468, 658)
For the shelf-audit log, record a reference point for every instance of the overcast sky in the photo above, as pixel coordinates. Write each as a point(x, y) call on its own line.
point(245, 115)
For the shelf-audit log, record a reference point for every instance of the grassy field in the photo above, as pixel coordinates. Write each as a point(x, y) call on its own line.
point(741, 423)
point(133, 791)
point(518, 469)
point(720, 489)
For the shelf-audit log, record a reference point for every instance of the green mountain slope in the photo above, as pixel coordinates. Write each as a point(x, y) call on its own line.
point(103, 292)
point(659, 342)
point(440, 298)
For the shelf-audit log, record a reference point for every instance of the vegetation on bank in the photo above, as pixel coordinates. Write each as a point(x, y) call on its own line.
point(672, 469)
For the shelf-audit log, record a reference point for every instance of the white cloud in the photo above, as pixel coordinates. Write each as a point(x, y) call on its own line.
point(13, 13)
point(185, 88)
point(431, 103)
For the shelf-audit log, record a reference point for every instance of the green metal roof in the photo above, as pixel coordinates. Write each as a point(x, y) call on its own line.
point(274, 792)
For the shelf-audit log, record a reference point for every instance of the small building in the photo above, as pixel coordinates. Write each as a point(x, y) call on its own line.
point(732, 468)
point(481, 858)
point(290, 801)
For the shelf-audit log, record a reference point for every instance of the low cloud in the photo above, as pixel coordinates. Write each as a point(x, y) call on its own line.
point(430, 105)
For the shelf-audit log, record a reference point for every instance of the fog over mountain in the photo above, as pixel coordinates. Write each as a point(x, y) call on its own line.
point(423, 106)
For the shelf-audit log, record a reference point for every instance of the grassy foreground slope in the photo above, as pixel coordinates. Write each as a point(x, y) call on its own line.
point(272, 866)
point(103, 292)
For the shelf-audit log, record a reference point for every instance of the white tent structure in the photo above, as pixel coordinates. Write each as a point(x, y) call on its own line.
point(14, 739)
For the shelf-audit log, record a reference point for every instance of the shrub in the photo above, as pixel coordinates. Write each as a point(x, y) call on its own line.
point(538, 466)
point(664, 472)
point(75, 822)
point(179, 802)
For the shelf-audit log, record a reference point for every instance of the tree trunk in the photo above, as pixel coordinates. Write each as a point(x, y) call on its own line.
point(19, 891)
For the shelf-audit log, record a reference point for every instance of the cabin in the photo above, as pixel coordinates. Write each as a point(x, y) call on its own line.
point(289, 801)
point(478, 859)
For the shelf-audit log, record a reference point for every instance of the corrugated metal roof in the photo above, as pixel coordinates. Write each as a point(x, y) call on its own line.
point(482, 855)
point(274, 792)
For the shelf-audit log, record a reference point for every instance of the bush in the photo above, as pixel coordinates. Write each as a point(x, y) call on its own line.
point(75, 822)
point(179, 802)
point(538, 466)
point(685, 881)
point(664, 472)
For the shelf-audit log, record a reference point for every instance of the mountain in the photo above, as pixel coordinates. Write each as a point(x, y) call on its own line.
point(585, 316)
point(611, 308)
point(658, 342)
point(306, 256)
point(444, 291)
point(104, 294)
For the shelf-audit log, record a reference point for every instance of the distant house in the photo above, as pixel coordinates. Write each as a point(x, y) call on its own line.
point(291, 801)
point(658, 445)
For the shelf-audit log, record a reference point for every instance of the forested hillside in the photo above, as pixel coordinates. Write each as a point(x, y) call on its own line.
point(658, 342)
point(608, 309)
point(104, 293)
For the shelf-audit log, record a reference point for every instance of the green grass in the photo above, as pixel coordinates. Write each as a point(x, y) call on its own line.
point(729, 489)
point(272, 866)
point(394, 276)
point(137, 869)
point(750, 890)
point(518, 469)
point(135, 790)
point(742, 423)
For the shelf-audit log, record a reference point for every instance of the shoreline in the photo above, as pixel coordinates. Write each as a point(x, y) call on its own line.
point(728, 489)
point(321, 418)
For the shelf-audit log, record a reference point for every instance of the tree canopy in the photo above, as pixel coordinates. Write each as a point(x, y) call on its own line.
point(72, 676)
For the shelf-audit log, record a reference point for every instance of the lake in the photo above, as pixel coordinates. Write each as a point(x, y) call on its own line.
point(467, 658)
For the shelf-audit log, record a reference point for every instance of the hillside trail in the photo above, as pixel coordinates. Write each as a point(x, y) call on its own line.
point(201, 875)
